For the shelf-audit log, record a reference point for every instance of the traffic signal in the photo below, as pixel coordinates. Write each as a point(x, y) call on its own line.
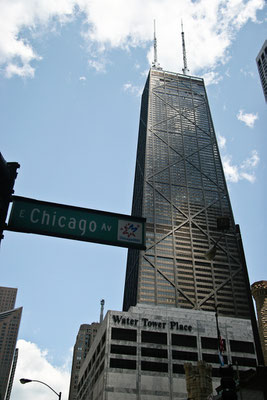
point(8, 174)
point(228, 384)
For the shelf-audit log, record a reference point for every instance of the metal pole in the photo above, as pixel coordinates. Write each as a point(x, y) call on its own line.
point(23, 381)
point(238, 377)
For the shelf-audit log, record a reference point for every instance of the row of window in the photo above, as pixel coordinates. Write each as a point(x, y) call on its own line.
point(154, 366)
point(179, 340)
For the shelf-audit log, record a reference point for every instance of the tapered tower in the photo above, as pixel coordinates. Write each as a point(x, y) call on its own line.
point(180, 189)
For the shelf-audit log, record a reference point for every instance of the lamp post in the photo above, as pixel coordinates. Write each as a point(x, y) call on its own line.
point(24, 380)
point(220, 341)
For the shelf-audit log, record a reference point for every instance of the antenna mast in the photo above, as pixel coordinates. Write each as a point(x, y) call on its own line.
point(185, 69)
point(102, 302)
point(155, 63)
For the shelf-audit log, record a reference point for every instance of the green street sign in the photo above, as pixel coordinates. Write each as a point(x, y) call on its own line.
point(51, 219)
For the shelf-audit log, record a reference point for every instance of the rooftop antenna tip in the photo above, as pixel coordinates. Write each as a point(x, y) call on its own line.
point(185, 69)
point(102, 303)
point(155, 63)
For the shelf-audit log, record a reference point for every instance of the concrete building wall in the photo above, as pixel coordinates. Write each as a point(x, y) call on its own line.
point(140, 354)
point(259, 292)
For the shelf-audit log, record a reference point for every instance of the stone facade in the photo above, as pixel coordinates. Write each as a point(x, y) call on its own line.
point(140, 354)
point(259, 292)
point(198, 380)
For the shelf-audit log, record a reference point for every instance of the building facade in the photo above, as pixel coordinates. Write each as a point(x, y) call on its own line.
point(7, 298)
point(259, 292)
point(140, 354)
point(181, 191)
point(173, 288)
point(262, 67)
point(84, 340)
point(9, 327)
point(12, 374)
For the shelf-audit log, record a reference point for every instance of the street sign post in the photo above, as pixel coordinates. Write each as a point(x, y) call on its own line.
point(52, 219)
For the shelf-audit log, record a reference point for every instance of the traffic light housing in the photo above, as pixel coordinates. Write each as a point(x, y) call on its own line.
point(228, 384)
point(8, 174)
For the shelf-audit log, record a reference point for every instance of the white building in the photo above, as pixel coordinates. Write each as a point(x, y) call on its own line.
point(140, 354)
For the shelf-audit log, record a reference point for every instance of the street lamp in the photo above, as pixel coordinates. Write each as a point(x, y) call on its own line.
point(24, 380)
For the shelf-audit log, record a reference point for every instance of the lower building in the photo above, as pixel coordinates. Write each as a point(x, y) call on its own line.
point(12, 374)
point(7, 298)
point(84, 340)
point(259, 292)
point(140, 354)
point(262, 67)
point(9, 327)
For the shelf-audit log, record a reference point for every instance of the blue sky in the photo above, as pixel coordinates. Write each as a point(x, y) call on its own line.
point(71, 75)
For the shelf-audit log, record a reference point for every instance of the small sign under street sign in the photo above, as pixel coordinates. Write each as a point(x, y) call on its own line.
point(52, 219)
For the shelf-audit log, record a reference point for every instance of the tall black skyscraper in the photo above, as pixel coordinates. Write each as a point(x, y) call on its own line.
point(180, 189)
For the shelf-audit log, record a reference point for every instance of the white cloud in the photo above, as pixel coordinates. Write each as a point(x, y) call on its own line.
point(99, 66)
point(211, 78)
point(248, 118)
point(230, 170)
point(247, 73)
point(246, 170)
point(221, 141)
point(210, 27)
point(252, 161)
point(33, 364)
point(129, 87)
point(249, 177)
point(24, 71)
point(21, 19)
point(82, 78)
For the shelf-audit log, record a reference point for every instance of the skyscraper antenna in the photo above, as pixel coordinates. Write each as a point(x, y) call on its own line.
point(185, 69)
point(102, 302)
point(155, 63)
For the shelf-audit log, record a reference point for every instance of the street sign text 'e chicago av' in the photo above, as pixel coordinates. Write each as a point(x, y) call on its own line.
point(52, 219)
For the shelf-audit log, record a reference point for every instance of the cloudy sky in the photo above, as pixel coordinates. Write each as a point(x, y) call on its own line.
point(71, 74)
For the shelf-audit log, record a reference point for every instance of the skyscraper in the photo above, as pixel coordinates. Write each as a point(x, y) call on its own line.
point(262, 67)
point(173, 288)
point(9, 327)
point(7, 298)
point(12, 374)
point(84, 340)
point(180, 189)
